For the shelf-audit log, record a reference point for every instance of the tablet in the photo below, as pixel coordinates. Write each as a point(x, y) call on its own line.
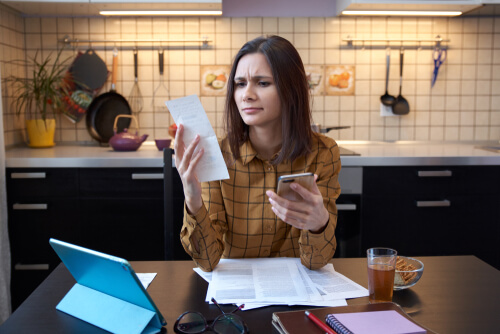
point(107, 274)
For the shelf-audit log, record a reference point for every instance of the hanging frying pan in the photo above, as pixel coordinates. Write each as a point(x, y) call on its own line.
point(89, 69)
point(89, 73)
point(103, 110)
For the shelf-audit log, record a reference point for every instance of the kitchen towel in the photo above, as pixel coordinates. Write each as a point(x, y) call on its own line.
point(5, 307)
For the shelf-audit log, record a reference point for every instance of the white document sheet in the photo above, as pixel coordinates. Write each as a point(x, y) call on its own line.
point(260, 280)
point(322, 303)
point(189, 112)
point(146, 278)
point(207, 276)
point(333, 285)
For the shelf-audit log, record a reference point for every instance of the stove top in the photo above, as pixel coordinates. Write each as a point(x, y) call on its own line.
point(345, 151)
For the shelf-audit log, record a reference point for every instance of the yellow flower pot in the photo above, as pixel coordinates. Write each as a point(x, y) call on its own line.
point(40, 132)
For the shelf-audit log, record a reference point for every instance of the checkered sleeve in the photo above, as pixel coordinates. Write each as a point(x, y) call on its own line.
point(202, 233)
point(316, 249)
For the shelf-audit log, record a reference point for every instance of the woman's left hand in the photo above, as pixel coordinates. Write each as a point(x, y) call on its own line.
point(307, 214)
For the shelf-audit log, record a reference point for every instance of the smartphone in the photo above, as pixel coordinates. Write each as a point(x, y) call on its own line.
point(306, 180)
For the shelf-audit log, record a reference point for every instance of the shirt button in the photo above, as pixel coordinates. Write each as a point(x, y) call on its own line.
point(269, 168)
point(265, 252)
point(269, 228)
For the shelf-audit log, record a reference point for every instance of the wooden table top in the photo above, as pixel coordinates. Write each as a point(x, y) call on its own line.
point(456, 294)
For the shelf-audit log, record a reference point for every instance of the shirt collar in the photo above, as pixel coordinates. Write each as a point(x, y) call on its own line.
point(248, 153)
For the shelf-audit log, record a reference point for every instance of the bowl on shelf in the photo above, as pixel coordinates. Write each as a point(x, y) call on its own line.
point(162, 143)
point(408, 272)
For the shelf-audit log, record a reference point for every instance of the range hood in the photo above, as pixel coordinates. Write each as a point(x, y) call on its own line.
point(403, 5)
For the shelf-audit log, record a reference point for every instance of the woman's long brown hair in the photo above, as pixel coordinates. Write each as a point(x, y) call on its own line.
point(293, 90)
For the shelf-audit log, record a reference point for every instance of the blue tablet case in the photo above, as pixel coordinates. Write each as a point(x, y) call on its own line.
point(108, 293)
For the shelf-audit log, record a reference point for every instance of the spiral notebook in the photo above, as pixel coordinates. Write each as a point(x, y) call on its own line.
point(377, 322)
point(295, 322)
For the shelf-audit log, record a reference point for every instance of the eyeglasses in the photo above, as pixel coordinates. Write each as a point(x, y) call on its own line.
point(226, 323)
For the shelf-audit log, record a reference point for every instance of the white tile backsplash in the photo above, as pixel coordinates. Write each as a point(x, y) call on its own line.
point(463, 105)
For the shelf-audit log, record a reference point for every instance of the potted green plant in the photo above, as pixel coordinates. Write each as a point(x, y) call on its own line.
point(41, 95)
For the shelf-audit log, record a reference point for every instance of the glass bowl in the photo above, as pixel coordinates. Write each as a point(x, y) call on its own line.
point(408, 272)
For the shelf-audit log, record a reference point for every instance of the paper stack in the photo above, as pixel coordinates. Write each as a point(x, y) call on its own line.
point(278, 281)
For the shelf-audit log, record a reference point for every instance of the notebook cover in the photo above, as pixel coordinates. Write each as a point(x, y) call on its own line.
point(295, 322)
point(377, 322)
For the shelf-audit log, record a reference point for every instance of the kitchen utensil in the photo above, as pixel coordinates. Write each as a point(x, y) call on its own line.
point(386, 99)
point(89, 73)
point(103, 110)
point(439, 56)
point(401, 106)
point(318, 128)
point(126, 141)
point(161, 93)
point(135, 97)
point(89, 70)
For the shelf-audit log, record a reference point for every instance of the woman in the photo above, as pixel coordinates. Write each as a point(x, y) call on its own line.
point(268, 126)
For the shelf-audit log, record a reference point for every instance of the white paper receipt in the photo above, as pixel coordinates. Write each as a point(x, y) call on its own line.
point(189, 112)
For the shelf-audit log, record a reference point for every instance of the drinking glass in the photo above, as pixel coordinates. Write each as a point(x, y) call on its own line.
point(381, 269)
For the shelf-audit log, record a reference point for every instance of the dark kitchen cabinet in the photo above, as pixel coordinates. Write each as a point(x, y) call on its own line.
point(42, 203)
point(113, 210)
point(424, 210)
point(122, 212)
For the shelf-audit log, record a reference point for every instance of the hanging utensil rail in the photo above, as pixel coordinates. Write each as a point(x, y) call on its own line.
point(438, 40)
point(68, 40)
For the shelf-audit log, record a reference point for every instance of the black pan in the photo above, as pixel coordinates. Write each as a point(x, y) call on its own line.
point(89, 73)
point(90, 70)
point(103, 110)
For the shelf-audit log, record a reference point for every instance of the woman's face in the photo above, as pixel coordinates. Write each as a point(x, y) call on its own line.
point(255, 92)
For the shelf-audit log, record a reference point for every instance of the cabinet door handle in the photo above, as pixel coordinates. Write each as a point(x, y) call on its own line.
point(146, 176)
point(434, 173)
point(442, 203)
point(40, 266)
point(19, 206)
point(28, 175)
point(346, 207)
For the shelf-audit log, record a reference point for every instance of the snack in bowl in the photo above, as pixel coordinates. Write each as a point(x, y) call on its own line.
point(408, 272)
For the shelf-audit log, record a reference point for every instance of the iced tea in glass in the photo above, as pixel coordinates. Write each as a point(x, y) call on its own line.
point(381, 269)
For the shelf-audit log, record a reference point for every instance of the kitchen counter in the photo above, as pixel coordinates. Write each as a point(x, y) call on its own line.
point(372, 153)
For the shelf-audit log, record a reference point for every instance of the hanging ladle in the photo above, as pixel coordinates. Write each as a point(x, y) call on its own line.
point(386, 99)
point(401, 106)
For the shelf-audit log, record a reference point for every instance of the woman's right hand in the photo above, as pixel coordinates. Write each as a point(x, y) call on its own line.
point(185, 162)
